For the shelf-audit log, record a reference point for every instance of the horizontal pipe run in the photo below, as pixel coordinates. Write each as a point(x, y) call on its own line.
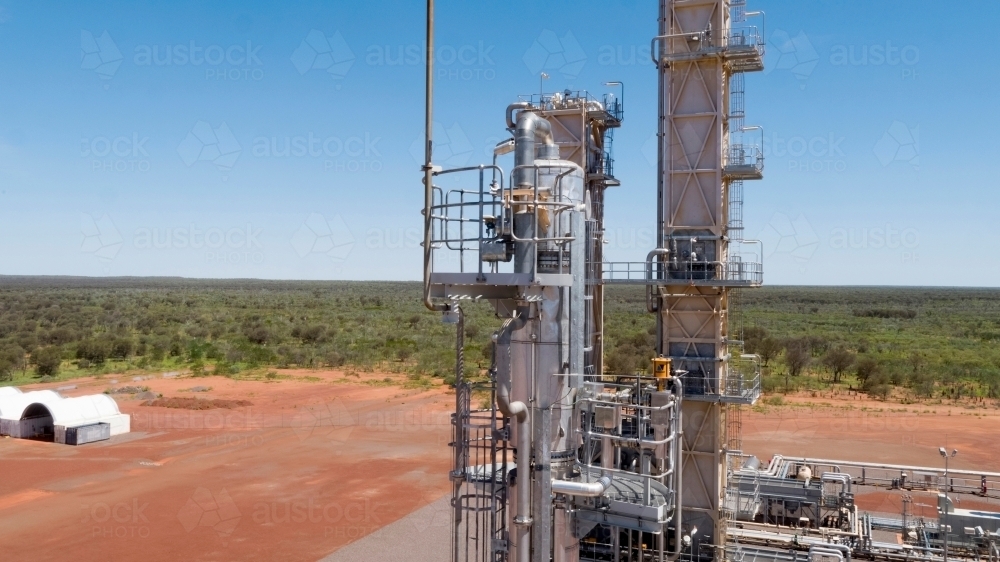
point(858, 464)
point(628, 439)
point(666, 406)
point(585, 489)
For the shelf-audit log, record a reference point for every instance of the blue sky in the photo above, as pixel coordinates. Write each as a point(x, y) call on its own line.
point(256, 139)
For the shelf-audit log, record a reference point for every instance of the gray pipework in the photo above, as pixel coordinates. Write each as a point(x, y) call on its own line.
point(519, 412)
point(813, 550)
point(858, 464)
point(530, 129)
point(844, 479)
point(651, 305)
point(428, 167)
point(678, 473)
point(586, 489)
point(840, 550)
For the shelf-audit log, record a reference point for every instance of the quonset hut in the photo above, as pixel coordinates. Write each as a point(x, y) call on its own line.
point(47, 416)
point(9, 391)
point(13, 407)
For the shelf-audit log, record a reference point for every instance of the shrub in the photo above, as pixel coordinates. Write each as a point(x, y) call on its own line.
point(866, 369)
point(121, 348)
point(838, 360)
point(93, 350)
point(768, 349)
point(797, 358)
point(47, 360)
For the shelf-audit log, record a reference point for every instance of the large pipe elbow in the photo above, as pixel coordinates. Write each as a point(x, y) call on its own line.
point(843, 479)
point(516, 410)
point(841, 551)
point(516, 106)
point(530, 130)
point(585, 489)
point(501, 349)
point(538, 127)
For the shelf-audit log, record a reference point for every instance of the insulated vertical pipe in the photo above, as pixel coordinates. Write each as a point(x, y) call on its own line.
point(529, 128)
point(461, 440)
point(518, 411)
point(678, 446)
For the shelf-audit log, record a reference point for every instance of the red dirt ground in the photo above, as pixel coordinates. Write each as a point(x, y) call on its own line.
point(856, 428)
point(312, 465)
point(860, 429)
point(197, 403)
point(309, 467)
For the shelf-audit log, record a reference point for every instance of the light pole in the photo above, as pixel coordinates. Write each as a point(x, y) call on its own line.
point(947, 500)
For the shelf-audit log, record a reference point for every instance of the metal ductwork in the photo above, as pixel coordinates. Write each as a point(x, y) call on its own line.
point(530, 129)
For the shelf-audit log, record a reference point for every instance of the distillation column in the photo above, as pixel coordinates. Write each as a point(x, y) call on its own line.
point(697, 56)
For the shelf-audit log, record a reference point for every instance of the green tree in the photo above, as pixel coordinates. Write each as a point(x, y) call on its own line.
point(7, 368)
point(865, 370)
point(768, 349)
point(94, 350)
point(797, 358)
point(11, 359)
point(838, 360)
point(47, 360)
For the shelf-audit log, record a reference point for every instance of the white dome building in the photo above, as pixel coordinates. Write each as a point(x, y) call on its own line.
point(46, 415)
point(9, 391)
point(85, 411)
point(13, 406)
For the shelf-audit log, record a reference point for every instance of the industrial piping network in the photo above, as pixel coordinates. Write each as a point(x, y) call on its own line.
point(568, 463)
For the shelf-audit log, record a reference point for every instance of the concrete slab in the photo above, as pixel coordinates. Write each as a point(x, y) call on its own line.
point(422, 536)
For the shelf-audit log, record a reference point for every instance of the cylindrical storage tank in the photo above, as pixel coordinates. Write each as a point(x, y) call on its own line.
point(805, 473)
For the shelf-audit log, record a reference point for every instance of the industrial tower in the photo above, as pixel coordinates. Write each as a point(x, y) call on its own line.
point(701, 53)
point(567, 462)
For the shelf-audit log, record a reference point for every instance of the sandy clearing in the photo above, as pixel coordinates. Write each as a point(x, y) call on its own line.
point(315, 464)
point(310, 466)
